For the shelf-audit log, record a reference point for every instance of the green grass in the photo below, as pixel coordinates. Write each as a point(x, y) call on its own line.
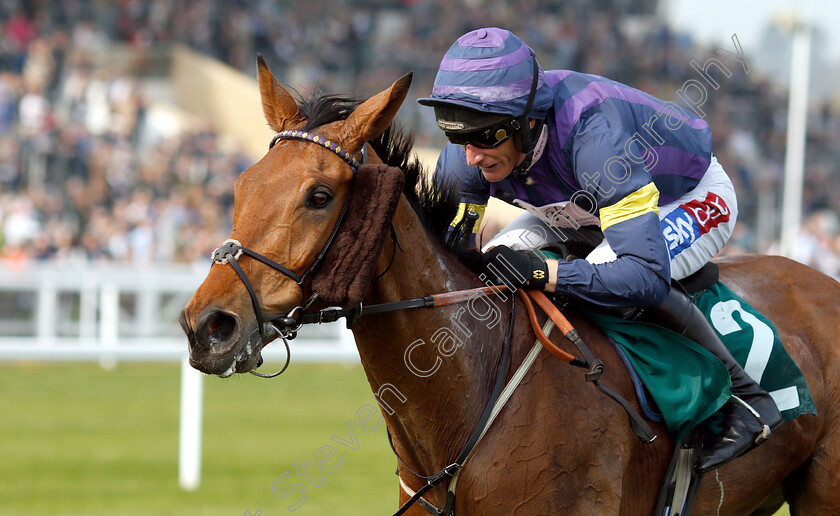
point(78, 440)
point(75, 439)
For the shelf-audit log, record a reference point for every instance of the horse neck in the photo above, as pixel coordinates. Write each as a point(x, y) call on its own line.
point(431, 370)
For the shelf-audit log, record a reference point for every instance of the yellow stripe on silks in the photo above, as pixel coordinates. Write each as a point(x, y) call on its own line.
point(463, 207)
point(644, 200)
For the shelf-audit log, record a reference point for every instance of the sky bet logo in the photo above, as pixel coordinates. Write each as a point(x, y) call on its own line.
point(688, 222)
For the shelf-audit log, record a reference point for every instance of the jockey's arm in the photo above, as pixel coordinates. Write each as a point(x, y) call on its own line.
point(628, 209)
point(639, 276)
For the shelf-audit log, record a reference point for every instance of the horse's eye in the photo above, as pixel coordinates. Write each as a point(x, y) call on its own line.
point(318, 199)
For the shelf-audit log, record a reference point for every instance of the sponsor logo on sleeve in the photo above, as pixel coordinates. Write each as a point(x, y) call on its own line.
point(688, 222)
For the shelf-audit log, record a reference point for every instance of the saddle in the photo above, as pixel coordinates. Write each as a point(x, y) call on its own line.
point(693, 385)
point(746, 332)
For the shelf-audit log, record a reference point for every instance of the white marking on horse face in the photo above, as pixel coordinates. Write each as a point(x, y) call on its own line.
point(720, 484)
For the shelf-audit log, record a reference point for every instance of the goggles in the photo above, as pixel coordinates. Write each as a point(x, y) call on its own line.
point(486, 138)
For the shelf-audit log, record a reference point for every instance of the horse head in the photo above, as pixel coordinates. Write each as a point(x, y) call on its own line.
point(287, 208)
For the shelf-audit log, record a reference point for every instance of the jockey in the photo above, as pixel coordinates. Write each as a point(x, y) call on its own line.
point(578, 150)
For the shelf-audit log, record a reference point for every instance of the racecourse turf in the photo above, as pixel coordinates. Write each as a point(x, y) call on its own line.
point(79, 440)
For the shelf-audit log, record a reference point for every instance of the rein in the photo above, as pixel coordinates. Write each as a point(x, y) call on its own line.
point(286, 328)
point(478, 432)
point(499, 397)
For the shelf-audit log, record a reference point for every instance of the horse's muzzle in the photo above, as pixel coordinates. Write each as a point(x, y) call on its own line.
point(216, 344)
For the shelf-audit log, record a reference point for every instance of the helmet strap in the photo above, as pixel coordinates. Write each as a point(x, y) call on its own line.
point(523, 134)
point(536, 149)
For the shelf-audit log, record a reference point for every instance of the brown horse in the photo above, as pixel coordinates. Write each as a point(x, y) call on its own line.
point(559, 446)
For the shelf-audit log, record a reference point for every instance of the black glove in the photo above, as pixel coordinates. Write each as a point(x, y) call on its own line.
point(516, 269)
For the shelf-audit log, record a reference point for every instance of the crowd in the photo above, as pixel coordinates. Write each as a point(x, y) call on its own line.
point(81, 178)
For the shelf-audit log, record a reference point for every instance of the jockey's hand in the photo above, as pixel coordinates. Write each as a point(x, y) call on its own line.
point(516, 269)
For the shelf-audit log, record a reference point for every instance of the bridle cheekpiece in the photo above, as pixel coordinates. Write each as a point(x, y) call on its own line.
point(231, 250)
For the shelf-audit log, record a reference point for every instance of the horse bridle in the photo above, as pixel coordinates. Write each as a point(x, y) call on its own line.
point(286, 327)
point(231, 250)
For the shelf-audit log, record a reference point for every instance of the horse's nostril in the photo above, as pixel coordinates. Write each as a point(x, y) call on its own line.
point(220, 327)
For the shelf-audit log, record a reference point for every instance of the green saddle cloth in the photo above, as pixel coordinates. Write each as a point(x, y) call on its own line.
point(688, 383)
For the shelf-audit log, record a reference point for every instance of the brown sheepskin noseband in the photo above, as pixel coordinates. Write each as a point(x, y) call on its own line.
point(350, 263)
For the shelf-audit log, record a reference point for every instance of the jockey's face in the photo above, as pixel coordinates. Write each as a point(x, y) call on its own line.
point(496, 163)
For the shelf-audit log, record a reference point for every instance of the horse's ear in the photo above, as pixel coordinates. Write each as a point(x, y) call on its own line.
point(373, 115)
point(280, 109)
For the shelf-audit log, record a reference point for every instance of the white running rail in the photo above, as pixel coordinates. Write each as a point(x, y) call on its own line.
point(109, 314)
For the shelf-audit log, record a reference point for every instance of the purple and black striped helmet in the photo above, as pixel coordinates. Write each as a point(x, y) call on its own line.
point(490, 70)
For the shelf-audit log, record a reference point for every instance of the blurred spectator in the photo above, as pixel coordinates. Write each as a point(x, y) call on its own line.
point(77, 182)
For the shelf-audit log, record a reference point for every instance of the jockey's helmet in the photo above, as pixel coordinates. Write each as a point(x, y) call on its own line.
point(487, 87)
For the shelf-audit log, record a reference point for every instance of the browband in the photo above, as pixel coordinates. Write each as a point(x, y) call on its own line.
point(320, 140)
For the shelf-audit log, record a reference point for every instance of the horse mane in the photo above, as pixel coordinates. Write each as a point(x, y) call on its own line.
point(435, 203)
